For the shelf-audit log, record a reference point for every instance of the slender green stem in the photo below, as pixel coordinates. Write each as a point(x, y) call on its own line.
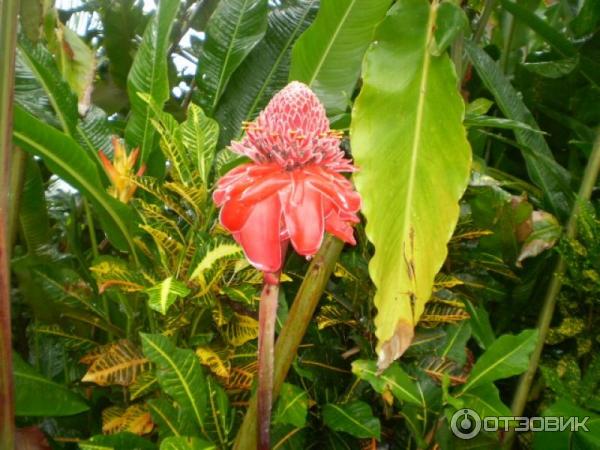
point(8, 30)
point(266, 338)
point(91, 229)
point(488, 7)
point(545, 318)
point(293, 331)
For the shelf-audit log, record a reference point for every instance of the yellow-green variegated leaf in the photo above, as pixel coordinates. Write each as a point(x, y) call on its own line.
point(410, 145)
point(164, 294)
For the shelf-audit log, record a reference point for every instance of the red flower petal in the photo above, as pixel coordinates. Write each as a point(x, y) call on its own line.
point(259, 237)
point(339, 228)
point(304, 219)
point(234, 214)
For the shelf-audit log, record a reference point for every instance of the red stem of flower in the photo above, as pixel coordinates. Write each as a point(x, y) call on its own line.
point(266, 339)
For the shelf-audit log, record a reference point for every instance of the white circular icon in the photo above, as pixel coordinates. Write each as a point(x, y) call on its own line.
point(465, 423)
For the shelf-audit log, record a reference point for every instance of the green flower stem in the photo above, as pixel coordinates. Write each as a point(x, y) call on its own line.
point(293, 331)
point(545, 318)
point(8, 29)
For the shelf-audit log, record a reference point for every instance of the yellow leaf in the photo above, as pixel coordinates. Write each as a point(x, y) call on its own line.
point(210, 358)
point(120, 363)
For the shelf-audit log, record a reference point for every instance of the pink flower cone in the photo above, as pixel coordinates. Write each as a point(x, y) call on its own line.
point(293, 190)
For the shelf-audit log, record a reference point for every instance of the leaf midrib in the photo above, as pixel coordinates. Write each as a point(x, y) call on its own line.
point(227, 56)
point(181, 379)
point(408, 204)
point(344, 413)
point(330, 43)
point(472, 381)
point(393, 383)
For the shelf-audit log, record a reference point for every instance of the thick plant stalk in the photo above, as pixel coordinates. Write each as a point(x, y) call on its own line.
point(8, 28)
point(545, 318)
point(293, 331)
point(266, 338)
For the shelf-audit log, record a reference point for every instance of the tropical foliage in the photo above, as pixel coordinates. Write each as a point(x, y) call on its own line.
point(135, 312)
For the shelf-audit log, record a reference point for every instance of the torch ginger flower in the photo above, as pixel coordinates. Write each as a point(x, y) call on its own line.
point(293, 190)
point(120, 170)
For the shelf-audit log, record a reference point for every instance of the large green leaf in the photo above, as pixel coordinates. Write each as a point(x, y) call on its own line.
point(41, 62)
point(265, 70)
point(185, 443)
point(36, 395)
point(162, 295)
point(234, 29)
point(409, 142)
point(66, 159)
point(179, 374)
point(552, 36)
point(507, 356)
point(485, 401)
point(149, 75)
point(199, 136)
point(119, 441)
point(543, 169)
point(393, 379)
point(355, 418)
point(292, 406)
point(92, 131)
point(328, 55)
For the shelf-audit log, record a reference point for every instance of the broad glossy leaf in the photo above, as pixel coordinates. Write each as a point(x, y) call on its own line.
point(233, 30)
point(588, 19)
point(119, 441)
point(185, 443)
point(179, 374)
point(149, 75)
point(483, 121)
point(580, 438)
point(64, 102)
point(393, 379)
point(292, 406)
point(480, 325)
point(506, 356)
point(33, 210)
point(355, 418)
point(199, 135)
point(117, 364)
point(328, 55)
point(408, 140)
point(66, 159)
point(164, 414)
point(91, 131)
point(164, 294)
point(451, 20)
point(35, 395)
point(265, 70)
point(77, 63)
point(485, 401)
point(543, 169)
